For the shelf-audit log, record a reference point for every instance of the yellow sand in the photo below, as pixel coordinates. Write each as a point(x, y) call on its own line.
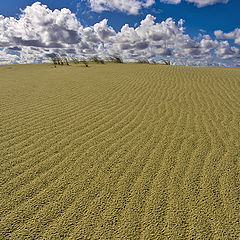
point(119, 151)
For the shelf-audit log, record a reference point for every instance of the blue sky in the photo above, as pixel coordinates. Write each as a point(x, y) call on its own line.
point(203, 20)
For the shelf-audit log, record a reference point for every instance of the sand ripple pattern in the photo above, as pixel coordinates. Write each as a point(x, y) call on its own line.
point(119, 152)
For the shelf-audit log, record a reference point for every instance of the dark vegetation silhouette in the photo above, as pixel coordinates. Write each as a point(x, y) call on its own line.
point(166, 62)
point(96, 59)
point(66, 60)
point(143, 61)
point(115, 59)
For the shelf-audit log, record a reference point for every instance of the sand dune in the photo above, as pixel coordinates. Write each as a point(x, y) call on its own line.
point(129, 151)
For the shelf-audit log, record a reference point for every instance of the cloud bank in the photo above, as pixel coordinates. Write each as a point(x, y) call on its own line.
point(40, 31)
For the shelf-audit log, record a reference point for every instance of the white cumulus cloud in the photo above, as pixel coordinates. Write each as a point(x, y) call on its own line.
point(235, 35)
point(40, 27)
point(128, 6)
point(225, 51)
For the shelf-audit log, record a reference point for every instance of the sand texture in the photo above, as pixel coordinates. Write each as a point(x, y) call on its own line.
point(119, 151)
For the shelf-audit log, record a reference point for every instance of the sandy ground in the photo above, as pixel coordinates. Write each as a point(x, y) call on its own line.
point(119, 151)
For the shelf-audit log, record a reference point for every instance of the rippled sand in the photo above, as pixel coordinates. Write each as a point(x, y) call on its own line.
point(119, 151)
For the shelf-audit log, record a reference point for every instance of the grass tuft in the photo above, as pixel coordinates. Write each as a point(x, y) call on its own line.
point(97, 60)
point(115, 59)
